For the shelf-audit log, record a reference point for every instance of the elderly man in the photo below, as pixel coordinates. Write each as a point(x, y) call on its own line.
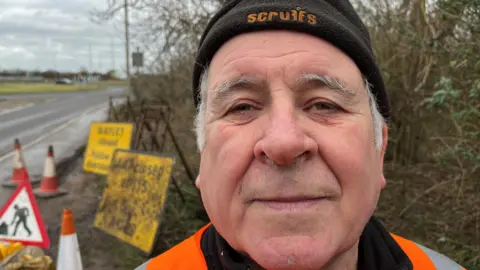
point(292, 134)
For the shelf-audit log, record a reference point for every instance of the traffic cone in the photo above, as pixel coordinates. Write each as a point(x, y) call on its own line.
point(20, 172)
point(49, 186)
point(68, 248)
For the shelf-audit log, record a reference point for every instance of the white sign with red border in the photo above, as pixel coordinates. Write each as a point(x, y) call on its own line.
point(21, 220)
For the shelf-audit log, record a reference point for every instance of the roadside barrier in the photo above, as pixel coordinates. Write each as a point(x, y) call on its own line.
point(20, 172)
point(68, 249)
point(49, 186)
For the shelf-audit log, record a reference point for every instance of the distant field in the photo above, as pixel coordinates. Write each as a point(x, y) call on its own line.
point(114, 83)
point(24, 88)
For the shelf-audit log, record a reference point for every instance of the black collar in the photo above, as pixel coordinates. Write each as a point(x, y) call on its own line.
point(377, 251)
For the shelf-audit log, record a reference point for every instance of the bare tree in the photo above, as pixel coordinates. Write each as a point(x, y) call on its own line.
point(428, 53)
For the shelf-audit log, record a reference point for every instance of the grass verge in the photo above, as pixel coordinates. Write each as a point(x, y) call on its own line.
point(114, 83)
point(30, 88)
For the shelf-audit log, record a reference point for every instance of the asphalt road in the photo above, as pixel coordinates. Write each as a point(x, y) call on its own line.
point(35, 122)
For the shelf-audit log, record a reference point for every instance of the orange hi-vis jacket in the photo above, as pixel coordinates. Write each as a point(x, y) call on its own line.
point(188, 256)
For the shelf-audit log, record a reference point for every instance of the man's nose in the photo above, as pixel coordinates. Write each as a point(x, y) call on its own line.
point(284, 140)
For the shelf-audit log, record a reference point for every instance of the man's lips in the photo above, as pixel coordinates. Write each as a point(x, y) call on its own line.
point(287, 199)
point(290, 203)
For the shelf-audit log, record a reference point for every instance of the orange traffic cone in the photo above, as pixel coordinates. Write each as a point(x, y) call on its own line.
point(20, 172)
point(49, 186)
point(68, 248)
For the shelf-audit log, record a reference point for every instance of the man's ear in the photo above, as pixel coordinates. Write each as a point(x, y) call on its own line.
point(383, 150)
point(197, 182)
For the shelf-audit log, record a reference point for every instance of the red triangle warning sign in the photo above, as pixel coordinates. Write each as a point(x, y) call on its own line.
point(20, 219)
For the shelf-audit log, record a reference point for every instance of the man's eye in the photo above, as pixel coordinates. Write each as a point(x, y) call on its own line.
point(323, 106)
point(241, 108)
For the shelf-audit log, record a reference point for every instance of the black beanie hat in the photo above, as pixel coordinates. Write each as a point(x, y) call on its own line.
point(332, 20)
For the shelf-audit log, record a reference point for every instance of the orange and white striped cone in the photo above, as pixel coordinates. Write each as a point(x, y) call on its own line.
point(20, 172)
point(68, 248)
point(49, 186)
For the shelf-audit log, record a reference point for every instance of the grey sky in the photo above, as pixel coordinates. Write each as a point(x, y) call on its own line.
point(47, 34)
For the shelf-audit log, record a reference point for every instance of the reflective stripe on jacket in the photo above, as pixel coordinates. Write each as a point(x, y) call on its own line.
point(188, 255)
point(425, 258)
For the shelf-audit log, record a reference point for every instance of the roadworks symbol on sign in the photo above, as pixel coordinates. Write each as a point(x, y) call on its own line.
point(20, 219)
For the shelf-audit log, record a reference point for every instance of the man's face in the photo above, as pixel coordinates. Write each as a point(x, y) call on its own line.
point(289, 174)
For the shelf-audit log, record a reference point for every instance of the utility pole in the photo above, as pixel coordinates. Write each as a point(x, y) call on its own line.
point(90, 57)
point(55, 60)
point(99, 59)
point(127, 52)
point(112, 51)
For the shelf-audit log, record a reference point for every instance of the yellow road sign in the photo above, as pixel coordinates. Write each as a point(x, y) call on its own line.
point(134, 198)
point(103, 139)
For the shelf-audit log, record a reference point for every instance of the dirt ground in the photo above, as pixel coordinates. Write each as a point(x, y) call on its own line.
point(99, 251)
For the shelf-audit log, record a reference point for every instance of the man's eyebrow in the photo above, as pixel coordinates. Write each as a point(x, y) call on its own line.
point(228, 87)
point(237, 82)
point(329, 81)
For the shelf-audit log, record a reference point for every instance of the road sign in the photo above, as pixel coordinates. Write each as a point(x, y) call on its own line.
point(137, 58)
point(134, 198)
point(21, 220)
point(103, 140)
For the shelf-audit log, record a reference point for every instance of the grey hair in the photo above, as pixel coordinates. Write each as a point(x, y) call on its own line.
point(200, 130)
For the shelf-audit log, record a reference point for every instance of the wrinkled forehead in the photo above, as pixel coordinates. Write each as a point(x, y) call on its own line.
point(271, 54)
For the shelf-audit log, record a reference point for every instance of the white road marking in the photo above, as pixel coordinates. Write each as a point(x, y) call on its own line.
point(16, 108)
point(16, 121)
point(57, 129)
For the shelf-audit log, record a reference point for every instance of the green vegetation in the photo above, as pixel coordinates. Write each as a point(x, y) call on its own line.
point(113, 83)
point(428, 54)
point(30, 88)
